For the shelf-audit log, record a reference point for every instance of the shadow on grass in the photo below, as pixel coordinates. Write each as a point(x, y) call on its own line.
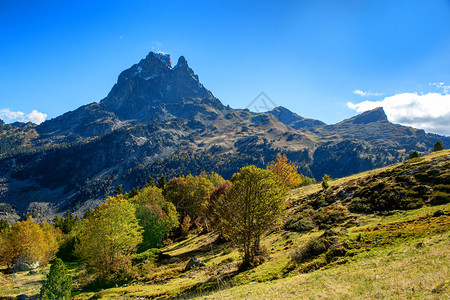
point(215, 246)
point(214, 284)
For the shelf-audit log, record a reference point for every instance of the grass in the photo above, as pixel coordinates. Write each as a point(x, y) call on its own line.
point(399, 272)
point(19, 283)
point(400, 254)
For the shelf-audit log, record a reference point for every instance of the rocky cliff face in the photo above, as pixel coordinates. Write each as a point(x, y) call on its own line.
point(159, 119)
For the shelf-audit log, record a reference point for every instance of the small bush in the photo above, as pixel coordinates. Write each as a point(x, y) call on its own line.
point(438, 198)
point(325, 179)
point(442, 188)
point(185, 225)
point(413, 155)
point(360, 205)
point(300, 225)
point(314, 247)
point(336, 250)
point(326, 218)
point(149, 255)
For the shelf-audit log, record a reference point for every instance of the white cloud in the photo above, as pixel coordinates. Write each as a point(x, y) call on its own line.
point(368, 93)
point(36, 117)
point(13, 116)
point(430, 112)
point(441, 85)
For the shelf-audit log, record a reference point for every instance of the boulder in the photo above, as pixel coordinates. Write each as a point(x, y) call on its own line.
point(25, 265)
point(194, 263)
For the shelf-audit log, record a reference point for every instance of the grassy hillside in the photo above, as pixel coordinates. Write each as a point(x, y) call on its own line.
point(379, 234)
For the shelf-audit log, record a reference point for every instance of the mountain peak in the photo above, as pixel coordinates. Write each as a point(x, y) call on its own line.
point(290, 118)
point(155, 57)
point(285, 115)
point(370, 116)
point(181, 62)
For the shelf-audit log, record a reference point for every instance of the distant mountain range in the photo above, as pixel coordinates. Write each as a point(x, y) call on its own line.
point(158, 119)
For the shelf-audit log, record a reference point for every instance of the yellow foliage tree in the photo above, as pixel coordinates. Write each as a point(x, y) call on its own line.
point(28, 241)
point(286, 171)
point(53, 238)
point(109, 238)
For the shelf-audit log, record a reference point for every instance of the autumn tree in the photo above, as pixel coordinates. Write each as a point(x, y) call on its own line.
point(53, 238)
point(286, 171)
point(109, 238)
point(58, 284)
point(156, 215)
point(215, 178)
point(27, 241)
point(214, 197)
point(250, 206)
point(190, 194)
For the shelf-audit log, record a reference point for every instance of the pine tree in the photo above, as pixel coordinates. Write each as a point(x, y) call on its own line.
point(150, 182)
point(325, 179)
point(58, 284)
point(162, 182)
point(438, 146)
point(119, 190)
point(87, 214)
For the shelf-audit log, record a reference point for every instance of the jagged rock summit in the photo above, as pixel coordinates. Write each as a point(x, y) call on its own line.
point(147, 92)
point(152, 83)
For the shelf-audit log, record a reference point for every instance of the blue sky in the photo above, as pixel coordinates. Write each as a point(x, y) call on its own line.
point(326, 60)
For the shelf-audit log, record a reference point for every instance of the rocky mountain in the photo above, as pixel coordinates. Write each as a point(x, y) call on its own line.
point(287, 117)
point(150, 91)
point(158, 119)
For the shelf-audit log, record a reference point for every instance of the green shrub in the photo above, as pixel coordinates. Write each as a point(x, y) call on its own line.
point(301, 224)
point(413, 155)
point(360, 205)
point(148, 255)
point(442, 188)
point(336, 250)
point(325, 179)
point(328, 217)
point(314, 247)
point(438, 198)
